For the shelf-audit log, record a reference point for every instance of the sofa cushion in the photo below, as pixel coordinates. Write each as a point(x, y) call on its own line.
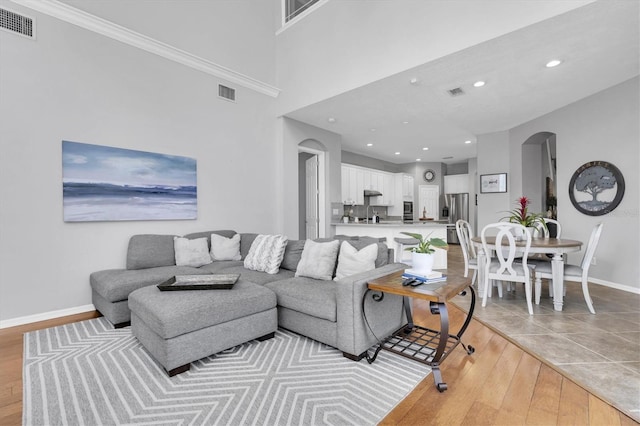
point(246, 239)
point(115, 284)
point(292, 254)
point(217, 266)
point(266, 253)
point(207, 234)
point(223, 248)
point(307, 295)
point(191, 252)
point(318, 259)
point(150, 250)
point(257, 277)
point(352, 261)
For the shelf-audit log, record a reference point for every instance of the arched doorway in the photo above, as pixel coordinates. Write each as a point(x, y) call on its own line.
point(539, 172)
point(311, 189)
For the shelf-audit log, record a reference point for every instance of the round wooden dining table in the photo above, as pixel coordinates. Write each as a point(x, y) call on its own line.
point(555, 246)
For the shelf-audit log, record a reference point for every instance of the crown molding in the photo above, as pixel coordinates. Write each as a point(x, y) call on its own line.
point(64, 12)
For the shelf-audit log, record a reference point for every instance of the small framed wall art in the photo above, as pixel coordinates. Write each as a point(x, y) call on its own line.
point(493, 183)
point(596, 188)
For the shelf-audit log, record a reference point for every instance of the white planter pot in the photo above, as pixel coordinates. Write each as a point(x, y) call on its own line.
point(422, 262)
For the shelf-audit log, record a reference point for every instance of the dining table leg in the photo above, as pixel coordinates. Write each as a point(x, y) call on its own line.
point(557, 272)
point(482, 285)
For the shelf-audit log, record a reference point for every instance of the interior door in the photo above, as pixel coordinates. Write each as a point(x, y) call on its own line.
point(311, 167)
point(430, 201)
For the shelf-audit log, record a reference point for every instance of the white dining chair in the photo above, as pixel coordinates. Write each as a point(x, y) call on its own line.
point(572, 273)
point(465, 233)
point(502, 265)
point(543, 232)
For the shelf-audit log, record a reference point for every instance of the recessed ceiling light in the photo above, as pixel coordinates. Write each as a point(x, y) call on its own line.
point(478, 84)
point(331, 120)
point(369, 144)
point(553, 63)
point(405, 122)
point(373, 130)
point(417, 159)
point(397, 153)
point(414, 81)
point(425, 149)
point(467, 142)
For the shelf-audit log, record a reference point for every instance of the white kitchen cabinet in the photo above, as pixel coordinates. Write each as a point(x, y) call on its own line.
point(407, 187)
point(403, 191)
point(352, 185)
point(456, 184)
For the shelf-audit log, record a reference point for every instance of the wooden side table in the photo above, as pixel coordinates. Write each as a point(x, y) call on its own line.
point(422, 344)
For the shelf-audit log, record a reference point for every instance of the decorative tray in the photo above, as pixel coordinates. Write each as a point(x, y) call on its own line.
point(199, 282)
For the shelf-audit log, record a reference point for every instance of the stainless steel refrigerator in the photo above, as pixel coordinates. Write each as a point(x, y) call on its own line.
point(458, 206)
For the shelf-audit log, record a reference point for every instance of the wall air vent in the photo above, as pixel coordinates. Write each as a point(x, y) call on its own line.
point(227, 93)
point(16, 23)
point(456, 92)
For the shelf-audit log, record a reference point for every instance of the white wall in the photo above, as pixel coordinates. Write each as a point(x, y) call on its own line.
point(346, 44)
point(604, 127)
point(493, 157)
point(293, 132)
point(71, 84)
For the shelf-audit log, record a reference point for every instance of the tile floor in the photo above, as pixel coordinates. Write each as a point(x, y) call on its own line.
point(600, 352)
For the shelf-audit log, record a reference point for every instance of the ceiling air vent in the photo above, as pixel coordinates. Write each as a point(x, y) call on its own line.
point(226, 93)
point(456, 92)
point(16, 23)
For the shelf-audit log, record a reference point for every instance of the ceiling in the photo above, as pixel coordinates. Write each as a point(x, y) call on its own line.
point(599, 45)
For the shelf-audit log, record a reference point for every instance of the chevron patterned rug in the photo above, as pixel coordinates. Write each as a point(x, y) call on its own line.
point(87, 373)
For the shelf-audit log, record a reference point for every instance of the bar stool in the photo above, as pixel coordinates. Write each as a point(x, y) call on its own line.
point(401, 243)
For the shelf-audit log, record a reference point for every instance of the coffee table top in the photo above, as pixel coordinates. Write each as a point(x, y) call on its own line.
point(437, 292)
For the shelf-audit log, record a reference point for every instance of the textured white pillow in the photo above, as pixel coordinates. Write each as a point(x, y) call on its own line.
point(266, 253)
point(318, 260)
point(191, 252)
point(223, 248)
point(351, 261)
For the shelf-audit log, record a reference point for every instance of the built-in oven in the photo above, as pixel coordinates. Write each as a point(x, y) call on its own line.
point(407, 215)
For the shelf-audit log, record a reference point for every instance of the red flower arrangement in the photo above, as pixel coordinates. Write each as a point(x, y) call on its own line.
point(522, 216)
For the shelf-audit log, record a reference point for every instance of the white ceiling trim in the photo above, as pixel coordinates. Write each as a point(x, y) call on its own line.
point(106, 28)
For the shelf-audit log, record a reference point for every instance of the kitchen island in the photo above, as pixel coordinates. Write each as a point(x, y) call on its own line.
point(394, 229)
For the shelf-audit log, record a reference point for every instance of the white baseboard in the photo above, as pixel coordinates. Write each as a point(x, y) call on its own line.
point(617, 286)
point(46, 316)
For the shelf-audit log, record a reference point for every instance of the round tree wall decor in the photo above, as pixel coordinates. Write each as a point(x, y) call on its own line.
point(596, 188)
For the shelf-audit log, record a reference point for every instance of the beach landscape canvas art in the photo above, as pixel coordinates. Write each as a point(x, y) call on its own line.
point(102, 183)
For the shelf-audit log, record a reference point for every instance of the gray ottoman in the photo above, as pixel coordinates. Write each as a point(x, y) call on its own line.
point(178, 327)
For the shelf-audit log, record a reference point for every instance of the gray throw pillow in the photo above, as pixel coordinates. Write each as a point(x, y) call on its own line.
point(150, 251)
point(318, 260)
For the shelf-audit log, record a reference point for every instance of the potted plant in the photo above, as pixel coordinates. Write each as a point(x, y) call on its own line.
point(522, 215)
point(422, 254)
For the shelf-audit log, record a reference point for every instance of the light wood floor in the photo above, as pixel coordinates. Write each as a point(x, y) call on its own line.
point(499, 384)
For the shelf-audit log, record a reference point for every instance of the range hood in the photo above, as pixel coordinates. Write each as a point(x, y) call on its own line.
point(372, 193)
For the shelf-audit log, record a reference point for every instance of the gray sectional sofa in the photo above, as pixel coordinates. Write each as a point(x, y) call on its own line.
point(327, 311)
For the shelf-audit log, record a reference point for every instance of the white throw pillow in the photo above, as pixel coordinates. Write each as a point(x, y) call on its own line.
point(318, 260)
point(191, 252)
point(266, 253)
point(223, 248)
point(351, 261)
